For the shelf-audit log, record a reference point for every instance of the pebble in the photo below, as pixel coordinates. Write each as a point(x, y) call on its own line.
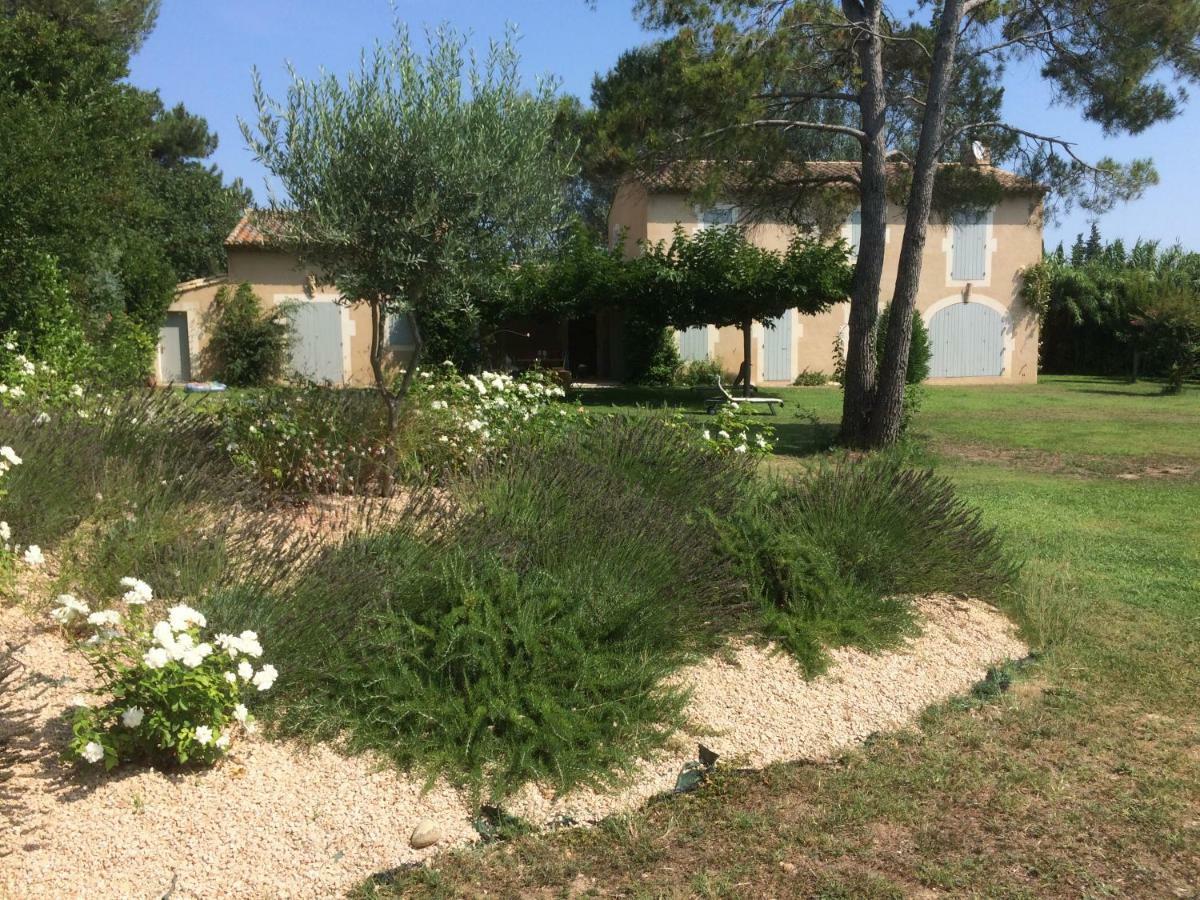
point(426, 834)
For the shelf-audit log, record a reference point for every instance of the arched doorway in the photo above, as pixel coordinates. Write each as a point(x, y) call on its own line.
point(967, 340)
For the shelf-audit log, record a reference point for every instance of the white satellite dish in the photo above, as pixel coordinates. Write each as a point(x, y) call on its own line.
point(978, 151)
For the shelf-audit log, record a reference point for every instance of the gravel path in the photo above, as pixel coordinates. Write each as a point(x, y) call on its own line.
point(274, 819)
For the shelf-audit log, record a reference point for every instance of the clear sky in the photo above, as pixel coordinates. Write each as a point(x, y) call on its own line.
point(202, 53)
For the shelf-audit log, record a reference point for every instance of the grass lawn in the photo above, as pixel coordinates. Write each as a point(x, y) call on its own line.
point(1082, 779)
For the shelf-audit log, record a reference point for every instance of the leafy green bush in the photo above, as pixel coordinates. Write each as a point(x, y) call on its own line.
point(248, 346)
point(307, 439)
point(524, 629)
point(920, 351)
point(831, 557)
point(651, 356)
point(809, 378)
point(170, 696)
point(698, 373)
point(1171, 334)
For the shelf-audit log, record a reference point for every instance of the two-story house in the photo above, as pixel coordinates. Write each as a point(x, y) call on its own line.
point(969, 293)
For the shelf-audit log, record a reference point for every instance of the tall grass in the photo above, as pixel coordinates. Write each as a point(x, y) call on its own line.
point(140, 486)
point(832, 558)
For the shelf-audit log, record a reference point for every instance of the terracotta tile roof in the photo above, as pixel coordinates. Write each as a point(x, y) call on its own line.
point(686, 176)
point(249, 231)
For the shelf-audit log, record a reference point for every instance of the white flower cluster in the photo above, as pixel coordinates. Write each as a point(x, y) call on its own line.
point(479, 412)
point(33, 555)
point(175, 640)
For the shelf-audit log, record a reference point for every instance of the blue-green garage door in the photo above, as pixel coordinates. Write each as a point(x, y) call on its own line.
point(967, 340)
point(317, 341)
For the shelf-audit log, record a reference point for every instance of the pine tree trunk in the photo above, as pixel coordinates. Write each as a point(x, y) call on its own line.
point(859, 394)
point(888, 413)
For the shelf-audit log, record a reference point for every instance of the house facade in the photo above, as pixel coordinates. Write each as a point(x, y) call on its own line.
point(968, 297)
point(331, 341)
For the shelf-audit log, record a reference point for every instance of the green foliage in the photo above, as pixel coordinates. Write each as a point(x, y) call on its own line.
point(249, 345)
point(919, 350)
point(832, 557)
point(698, 373)
point(306, 439)
point(651, 354)
point(528, 635)
point(1171, 329)
point(97, 176)
point(417, 175)
point(1090, 300)
point(36, 313)
point(124, 352)
point(118, 484)
point(811, 378)
point(170, 697)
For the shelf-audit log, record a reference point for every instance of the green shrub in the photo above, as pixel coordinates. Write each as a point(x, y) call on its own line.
point(809, 378)
point(309, 439)
point(1171, 335)
point(651, 355)
point(526, 635)
point(920, 351)
point(831, 557)
point(248, 346)
point(126, 350)
point(698, 373)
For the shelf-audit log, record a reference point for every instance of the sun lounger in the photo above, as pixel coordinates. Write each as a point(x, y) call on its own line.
point(711, 404)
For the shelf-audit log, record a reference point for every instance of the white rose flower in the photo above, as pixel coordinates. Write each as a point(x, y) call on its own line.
point(182, 617)
point(740, 448)
point(241, 713)
point(17, 391)
point(34, 556)
point(42, 418)
point(92, 752)
point(223, 741)
point(132, 717)
point(138, 594)
point(156, 658)
point(231, 677)
point(68, 609)
point(5, 532)
point(76, 390)
point(265, 677)
point(245, 670)
point(204, 735)
point(105, 617)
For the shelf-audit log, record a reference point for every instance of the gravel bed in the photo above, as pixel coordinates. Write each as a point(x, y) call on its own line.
point(276, 819)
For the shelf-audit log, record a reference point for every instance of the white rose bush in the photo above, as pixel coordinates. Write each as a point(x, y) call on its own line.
point(475, 415)
point(171, 693)
point(731, 432)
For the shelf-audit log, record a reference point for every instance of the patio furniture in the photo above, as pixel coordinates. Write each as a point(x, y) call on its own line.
point(711, 404)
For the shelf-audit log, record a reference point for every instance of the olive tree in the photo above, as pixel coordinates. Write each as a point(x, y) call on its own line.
point(411, 176)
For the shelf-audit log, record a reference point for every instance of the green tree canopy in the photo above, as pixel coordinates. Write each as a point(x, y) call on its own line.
point(416, 173)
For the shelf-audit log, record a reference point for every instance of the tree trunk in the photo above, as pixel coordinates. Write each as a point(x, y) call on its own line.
point(859, 385)
point(747, 328)
point(391, 399)
point(887, 415)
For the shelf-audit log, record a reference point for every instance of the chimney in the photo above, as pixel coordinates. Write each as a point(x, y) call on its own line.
point(978, 155)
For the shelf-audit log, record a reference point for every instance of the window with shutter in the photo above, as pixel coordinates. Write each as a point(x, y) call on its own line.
point(968, 246)
point(855, 231)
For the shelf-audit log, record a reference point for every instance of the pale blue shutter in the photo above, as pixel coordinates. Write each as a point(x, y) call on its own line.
point(693, 343)
point(777, 349)
point(968, 248)
point(855, 230)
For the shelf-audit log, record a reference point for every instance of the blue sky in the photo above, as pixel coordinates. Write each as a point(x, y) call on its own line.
point(202, 54)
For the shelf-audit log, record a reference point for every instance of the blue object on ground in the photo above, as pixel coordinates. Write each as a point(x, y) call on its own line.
point(203, 387)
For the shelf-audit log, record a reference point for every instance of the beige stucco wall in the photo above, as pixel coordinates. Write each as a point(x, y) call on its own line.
point(278, 278)
point(1015, 241)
